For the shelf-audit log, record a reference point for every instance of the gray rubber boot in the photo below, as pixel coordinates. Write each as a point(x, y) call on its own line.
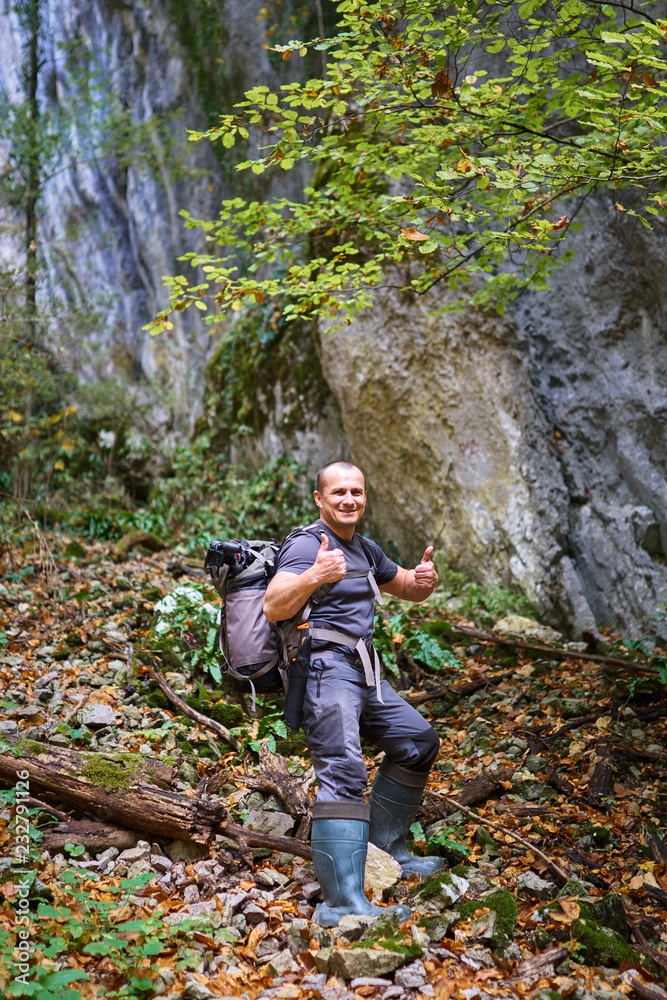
point(339, 840)
point(394, 798)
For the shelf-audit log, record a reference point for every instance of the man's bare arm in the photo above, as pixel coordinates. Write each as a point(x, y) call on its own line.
point(414, 584)
point(288, 592)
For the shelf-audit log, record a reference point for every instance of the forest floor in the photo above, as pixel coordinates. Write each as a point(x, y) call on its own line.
point(547, 803)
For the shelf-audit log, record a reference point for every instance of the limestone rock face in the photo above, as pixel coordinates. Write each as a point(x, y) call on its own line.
point(596, 349)
point(439, 412)
point(530, 447)
point(110, 222)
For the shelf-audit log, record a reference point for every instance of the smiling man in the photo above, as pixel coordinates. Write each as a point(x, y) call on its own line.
point(336, 575)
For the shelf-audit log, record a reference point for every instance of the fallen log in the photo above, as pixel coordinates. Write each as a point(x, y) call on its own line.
point(122, 548)
point(131, 791)
point(93, 836)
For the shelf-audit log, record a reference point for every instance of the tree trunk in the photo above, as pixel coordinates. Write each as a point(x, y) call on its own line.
point(30, 10)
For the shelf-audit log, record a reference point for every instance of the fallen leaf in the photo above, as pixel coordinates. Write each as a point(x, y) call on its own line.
point(570, 908)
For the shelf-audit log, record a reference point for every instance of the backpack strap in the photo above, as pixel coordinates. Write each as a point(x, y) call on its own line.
point(318, 595)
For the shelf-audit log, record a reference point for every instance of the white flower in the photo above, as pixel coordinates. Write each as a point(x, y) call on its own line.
point(106, 439)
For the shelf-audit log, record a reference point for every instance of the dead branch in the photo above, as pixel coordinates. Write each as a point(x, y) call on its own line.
point(38, 804)
point(648, 991)
point(507, 833)
point(566, 654)
point(179, 569)
point(541, 965)
point(641, 944)
point(203, 720)
point(478, 790)
point(459, 690)
point(603, 770)
point(287, 845)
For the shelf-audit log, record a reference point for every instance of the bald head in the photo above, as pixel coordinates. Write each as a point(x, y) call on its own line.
point(334, 467)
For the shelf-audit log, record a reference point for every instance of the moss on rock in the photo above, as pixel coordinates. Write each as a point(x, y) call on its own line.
point(156, 699)
point(601, 945)
point(572, 888)
point(608, 912)
point(503, 904)
point(226, 715)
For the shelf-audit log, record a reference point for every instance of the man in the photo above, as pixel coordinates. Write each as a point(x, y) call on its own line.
point(344, 698)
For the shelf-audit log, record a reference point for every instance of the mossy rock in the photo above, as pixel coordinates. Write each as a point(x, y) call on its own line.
point(75, 550)
point(385, 926)
point(572, 888)
point(600, 835)
point(436, 927)
point(540, 938)
point(73, 640)
point(609, 912)
point(503, 904)
point(227, 715)
point(437, 892)
point(601, 945)
point(385, 933)
point(484, 840)
point(156, 699)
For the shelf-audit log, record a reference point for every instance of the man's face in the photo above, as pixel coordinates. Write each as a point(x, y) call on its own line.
point(342, 500)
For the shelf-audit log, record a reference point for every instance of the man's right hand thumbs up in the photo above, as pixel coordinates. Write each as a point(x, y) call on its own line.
point(329, 565)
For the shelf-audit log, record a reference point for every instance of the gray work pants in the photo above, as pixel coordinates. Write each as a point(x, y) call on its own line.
point(338, 708)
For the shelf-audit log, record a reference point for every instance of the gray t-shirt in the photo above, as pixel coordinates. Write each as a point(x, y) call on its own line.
point(349, 605)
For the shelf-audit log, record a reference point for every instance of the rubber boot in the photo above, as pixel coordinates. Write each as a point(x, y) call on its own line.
point(339, 840)
point(394, 798)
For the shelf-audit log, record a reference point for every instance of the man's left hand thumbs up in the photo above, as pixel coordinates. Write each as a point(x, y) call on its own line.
point(425, 574)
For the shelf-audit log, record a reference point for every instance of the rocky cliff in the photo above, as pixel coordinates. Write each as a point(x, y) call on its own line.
point(530, 447)
point(111, 196)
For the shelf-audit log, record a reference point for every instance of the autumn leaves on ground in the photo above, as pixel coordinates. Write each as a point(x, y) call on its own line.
point(547, 802)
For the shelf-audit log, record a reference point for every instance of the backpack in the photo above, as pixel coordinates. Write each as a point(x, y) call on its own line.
point(257, 653)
